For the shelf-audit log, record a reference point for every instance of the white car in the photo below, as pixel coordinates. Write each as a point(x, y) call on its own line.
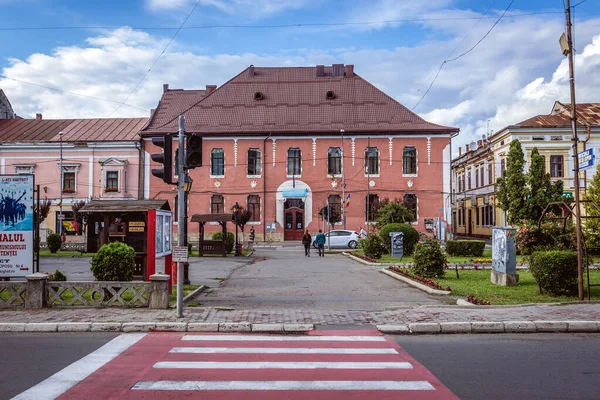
point(340, 238)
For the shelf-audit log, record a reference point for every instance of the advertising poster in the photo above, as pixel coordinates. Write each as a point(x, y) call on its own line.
point(16, 225)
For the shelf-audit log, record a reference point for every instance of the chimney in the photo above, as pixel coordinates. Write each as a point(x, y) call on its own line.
point(350, 70)
point(320, 70)
point(152, 110)
point(338, 69)
point(480, 143)
point(466, 148)
point(460, 151)
point(165, 87)
point(38, 116)
point(210, 88)
point(250, 70)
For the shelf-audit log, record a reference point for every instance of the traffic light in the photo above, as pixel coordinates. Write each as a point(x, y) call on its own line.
point(165, 158)
point(193, 151)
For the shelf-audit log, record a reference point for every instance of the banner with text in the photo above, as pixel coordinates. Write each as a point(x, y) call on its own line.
point(16, 225)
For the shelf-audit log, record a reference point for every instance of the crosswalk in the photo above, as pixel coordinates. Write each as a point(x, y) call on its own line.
point(322, 365)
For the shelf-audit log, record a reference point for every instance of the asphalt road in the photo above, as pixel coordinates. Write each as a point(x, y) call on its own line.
point(534, 366)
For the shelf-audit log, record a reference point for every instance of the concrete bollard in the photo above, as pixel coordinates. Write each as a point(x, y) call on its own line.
point(35, 296)
point(159, 292)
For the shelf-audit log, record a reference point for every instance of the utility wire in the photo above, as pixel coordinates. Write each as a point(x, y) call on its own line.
point(463, 54)
point(157, 58)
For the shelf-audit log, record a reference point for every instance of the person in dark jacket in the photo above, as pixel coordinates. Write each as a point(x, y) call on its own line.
point(306, 241)
point(320, 241)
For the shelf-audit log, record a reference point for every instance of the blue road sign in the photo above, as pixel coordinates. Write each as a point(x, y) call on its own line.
point(586, 159)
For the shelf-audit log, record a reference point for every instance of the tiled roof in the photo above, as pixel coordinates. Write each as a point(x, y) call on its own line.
point(587, 114)
point(294, 101)
point(173, 103)
point(75, 130)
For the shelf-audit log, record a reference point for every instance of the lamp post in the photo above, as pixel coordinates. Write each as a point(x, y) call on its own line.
point(60, 213)
point(343, 183)
point(236, 215)
point(187, 187)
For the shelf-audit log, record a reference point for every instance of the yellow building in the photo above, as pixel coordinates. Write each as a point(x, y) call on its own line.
point(476, 169)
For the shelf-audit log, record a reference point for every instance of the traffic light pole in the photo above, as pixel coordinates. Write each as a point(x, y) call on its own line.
point(181, 205)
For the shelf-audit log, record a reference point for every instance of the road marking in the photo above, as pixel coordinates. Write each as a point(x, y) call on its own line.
point(274, 338)
point(283, 385)
point(70, 376)
point(281, 350)
point(281, 365)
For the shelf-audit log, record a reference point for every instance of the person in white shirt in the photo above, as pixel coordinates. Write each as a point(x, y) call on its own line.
point(363, 233)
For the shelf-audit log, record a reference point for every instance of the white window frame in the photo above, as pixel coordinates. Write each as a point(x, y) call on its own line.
point(341, 161)
point(106, 171)
point(69, 167)
point(260, 162)
point(211, 160)
point(378, 163)
point(416, 162)
point(287, 161)
point(24, 169)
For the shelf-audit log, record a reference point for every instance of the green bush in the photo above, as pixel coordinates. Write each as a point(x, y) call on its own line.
point(552, 235)
point(373, 246)
point(555, 271)
point(58, 276)
point(411, 236)
point(54, 242)
point(229, 242)
point(114, 262)
point(472, 248)
point(429, 259)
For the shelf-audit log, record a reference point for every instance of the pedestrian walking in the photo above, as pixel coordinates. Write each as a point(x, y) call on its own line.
point(306, 241)
point(251, 239)
point(362, 233)
point(320, 241)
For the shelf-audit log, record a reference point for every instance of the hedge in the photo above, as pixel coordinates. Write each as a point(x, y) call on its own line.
point(555, 271)
point(372, 246)
point(114, 262)
point(229, 241)
point(430, 260)
point(472, 248)
point(411, 236)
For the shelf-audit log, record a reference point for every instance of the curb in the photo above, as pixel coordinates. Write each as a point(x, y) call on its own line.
point(360, 260)
point(192, 295)
point(153, 327)
point(414, 284)
point(492, 327)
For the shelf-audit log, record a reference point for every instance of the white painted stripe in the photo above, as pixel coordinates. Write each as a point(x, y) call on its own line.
point(280, 350)
point(65, 379)
point(281, 365)
point(276, 338)
point(283, 385)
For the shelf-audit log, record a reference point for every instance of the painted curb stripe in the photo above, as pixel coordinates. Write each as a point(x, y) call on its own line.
point(281, 350)
point(281, 365)
point(249, 338)
point(70, 376)
point(283, 385)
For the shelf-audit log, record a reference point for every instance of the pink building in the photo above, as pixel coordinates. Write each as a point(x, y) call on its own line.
point(100, 160)
point(282, 141)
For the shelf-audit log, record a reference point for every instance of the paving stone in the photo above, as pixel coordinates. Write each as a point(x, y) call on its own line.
point(519, 327)
point(551, 326)
point(138, 326)
point(171, 326)
point(41, 327)
point(106, 327)
point(202, 327)
point(583, 326)
point(298, 327)
point(235, 327)
point(12, 327)
point(455, 327)
point(424, 327)
point(267, 327)
point(73, 327)
point(487, 327)
point(399, 329)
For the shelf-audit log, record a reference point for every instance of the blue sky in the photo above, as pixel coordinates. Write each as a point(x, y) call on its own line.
point(516, 72)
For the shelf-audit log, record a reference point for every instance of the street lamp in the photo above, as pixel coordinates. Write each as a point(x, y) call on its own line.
point(343, 182)
point(60, 213)
point(236, 216)
point(187, 187)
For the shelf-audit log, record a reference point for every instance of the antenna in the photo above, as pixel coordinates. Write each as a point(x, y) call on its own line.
point(473, 146)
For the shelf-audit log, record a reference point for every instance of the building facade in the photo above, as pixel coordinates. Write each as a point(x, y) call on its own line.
point(287, 142)
point(475, 171)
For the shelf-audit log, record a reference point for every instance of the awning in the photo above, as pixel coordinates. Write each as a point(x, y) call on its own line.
point(294, 193)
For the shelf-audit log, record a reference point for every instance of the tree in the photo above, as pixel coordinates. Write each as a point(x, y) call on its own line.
point(242, 219)
point(541, 190)
point(512, 187)
point(393, 212)
point(43, 210)
point(592, 225)
point(77, 216)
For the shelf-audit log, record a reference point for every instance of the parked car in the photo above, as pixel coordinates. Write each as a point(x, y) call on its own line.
point(340, 238)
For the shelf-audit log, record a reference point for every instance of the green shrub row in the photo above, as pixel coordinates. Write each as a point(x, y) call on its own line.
point(470, 248)
point(54, 242)
point(373, 246)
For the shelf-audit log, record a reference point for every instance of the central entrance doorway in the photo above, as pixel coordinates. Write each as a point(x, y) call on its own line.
point(293, 219)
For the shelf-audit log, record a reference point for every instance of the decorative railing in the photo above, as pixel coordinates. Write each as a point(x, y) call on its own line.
point(12, 294)
point(98, 294)
point(68, 246)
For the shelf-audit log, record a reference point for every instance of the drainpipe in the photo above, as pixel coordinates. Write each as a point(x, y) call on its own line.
point(451, 195)
point(264, 171)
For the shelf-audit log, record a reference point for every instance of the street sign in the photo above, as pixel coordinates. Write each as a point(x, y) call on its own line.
point(180, 254)
point(586, 159)
point(61, 216)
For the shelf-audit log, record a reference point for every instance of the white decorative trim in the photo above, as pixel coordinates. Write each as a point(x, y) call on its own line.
point(2, 166)
point(372, 183)
point(353, 146)
point(410, 183)
point(26, 169)
point(391, 149)
point(112, 161)
point(235, 152)
point(253, 184)
point(274, 145)
point(428, 151)
point(314, 151)
point(334, 184)
point(217, 184)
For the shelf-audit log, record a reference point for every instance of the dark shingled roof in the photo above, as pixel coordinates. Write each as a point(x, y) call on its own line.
point(587, 114)
point(108, 206)
point(293, 101)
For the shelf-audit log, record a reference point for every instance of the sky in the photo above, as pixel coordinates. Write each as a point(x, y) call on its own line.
point(439, 58)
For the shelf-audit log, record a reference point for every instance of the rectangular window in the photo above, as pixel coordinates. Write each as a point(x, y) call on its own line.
point(68, 182)
point(176, 163)
point(112, 181)
point(490, 172)
point(459, 183)
point(556, 166)
point(477, 177)
point(481, 174)
point(410, 203)
point(469, 180)
point(254, 162)
point(502, 166)
point(371, 161)
point(217, 162)
point(217, 204)
point(294, 161)
point(371, 206)
point(335, 207)
point(334, 161)
point(409, 161)
point(477, 211)
point(254, 207)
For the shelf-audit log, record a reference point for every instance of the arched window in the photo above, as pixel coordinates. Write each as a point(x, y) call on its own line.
point(217, 162)
point(334, 161)
point(294, 161)
point(371, 206)
point(335, 207)
point(371, 161)
point(217, 204)
point(254, 207)
point(254, 162)
point(410, 203)
point(409, 159)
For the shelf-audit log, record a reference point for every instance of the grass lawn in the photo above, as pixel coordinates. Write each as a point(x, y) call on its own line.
point(388, 259)
point(64, 253)
point(187, 289)
point(477, 283)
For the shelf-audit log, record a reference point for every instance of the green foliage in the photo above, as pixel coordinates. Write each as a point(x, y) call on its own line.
point(43, 210)
point(373, 246)
point(390, 212)
point(591, 228)
point(516, 185)
point(541, 189)
point(58, 276)
point(114, 262)
point(411, 236)
point(229, 241)
point(555, 271)
point(551, 235)
point(54, 242)
point(430, 260)
point(470, 248)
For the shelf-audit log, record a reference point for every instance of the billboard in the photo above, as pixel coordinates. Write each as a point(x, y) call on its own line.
point(16, 225)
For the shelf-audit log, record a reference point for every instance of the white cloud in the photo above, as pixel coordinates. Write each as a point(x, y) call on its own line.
point(253, 8)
